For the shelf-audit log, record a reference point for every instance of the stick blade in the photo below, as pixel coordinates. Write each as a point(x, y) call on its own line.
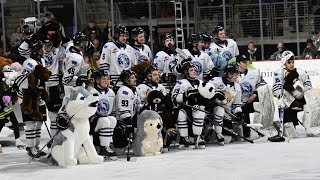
point(278, 138)
point(261, 140)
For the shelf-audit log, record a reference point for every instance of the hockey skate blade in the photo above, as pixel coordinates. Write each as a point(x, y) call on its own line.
point(260, 140)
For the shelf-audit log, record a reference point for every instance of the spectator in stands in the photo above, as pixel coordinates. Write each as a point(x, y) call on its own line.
point(107, 33)
point(92, 27)
point(277, 54)
point(46, 15)
point(96, 45)
point(16, 39)
point(310, 52)
point(252, 52)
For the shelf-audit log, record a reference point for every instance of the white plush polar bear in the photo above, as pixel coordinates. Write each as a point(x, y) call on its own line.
point(67, 147)
point(148, 139)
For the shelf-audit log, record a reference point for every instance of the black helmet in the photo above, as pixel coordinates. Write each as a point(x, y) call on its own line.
point(125, 75)
point(47, 42)
point(230, 68)
point(149, 70)
point(136, 31)
point(206, 37)
point(216, 30)
point(79, 37)
point(97, 74)
point(35, 46)
point(193, 38)
point(168, 36)
point(242, 58)
point(120, 30)
point(185, 68)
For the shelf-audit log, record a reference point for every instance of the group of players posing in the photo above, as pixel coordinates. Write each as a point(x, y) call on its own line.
point(185, 71)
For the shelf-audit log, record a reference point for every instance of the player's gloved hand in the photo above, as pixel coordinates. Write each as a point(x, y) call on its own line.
point(219, 95)
point(81, 79)
point(281, 103)
point(62, 122)
point(128, 125)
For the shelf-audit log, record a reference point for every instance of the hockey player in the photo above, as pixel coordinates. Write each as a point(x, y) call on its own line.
point(152, 83)
point(222, 46)
point(117, 56)
point(74, 67)
point(199, 59)
point(103, 122)
point(296, 94)
point(33, 127)
point(186, 90)
point(165, 60)
point(207, 40)
point(53, 59)
point(142, 51)
point(226, 84)
point(249, 80)
point(127, 107)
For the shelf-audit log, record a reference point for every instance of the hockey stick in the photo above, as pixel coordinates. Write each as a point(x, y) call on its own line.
point(225, 128)
point(130, 141)
point(47, 129)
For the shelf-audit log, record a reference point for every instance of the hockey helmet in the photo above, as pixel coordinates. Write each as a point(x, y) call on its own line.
point(136, 31)
point(193, 38)
point(125, 75)
point(47, 45)
point(35, 46)
point(216, 30)
point(286, 55)
point(185, 68)
point(230, 68)
point(206, 37)
point(149, 70)
point(242, 58)
point(120, 30)
point(97, 74)
point(79, 37)
point(168, 36)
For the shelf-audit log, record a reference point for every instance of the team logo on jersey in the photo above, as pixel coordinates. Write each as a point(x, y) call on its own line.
point(48, 60)
point(227, 55)
point(103, 107)
point(246, 89)
point(172, 64)
point(198, 66)
point(142, 58)
point(135, 105)
point(123, 60)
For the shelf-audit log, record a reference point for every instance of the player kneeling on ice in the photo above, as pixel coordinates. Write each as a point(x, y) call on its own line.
point(186, 91)
point(102, 123)
point(296, 94)
point(72, 144)
point(227, 97)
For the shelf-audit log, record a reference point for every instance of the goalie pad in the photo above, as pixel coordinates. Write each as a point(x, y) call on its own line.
point(311, 117)
point(266, 107)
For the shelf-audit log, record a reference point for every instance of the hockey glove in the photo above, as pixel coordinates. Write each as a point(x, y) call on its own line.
point(239, 117)
point(62, 122)
point(128, 124)
point(219, 95)
point(179, 66)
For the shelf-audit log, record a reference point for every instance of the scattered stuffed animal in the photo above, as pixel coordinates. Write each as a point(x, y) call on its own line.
point(74, 143)
point(207, 90)
point(293, 85)
point(139, 70)
point(9, 75)
point(148, 139)
point(36, 89)
point(4, 62)
point(16, 66)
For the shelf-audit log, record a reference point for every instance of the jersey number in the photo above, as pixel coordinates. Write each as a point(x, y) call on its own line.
point(125, 103)
point(71, 71)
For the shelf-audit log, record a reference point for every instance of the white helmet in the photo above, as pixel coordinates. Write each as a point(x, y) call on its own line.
point(285, 56)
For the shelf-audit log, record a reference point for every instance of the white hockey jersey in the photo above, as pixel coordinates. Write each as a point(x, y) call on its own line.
point(106, 101)
point(21, 81)
point(142, 53)
point(164, 62)
point(228, 51)
point(73, 67)
point(114, 59)
point(203, 63)
point(147, 88)
point(278, 80)
point(234, 103)
point(127, 102)
point(249, 82)
point(53, 60)
point(182, 87)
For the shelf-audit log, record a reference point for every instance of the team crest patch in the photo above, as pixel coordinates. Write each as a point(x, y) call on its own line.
point(103, 107)
point(246, 89)
point(123, 61)
point(227, 55)
point(48, 60)
point(198, 66)
point(172, 64)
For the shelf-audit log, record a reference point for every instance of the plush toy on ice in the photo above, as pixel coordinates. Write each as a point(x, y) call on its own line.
point(148, 139)
point(67, 149)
